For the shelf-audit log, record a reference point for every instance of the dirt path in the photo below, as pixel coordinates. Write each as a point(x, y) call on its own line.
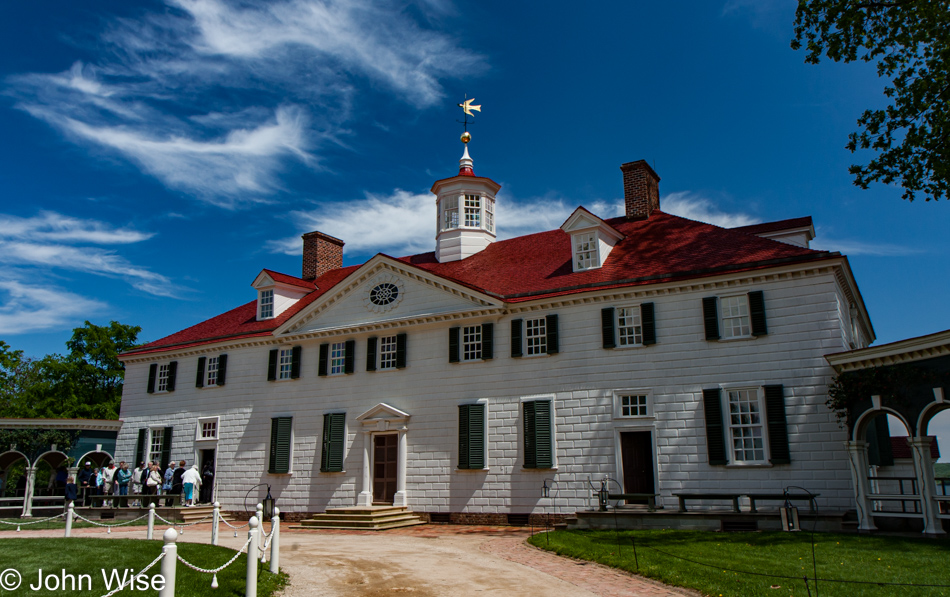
point(426, 561)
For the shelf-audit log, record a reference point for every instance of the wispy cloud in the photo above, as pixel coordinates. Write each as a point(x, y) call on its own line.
point(695, 207)
point(27, 308)
point(53, 241)
point(404, 222)
point(856, 247)
point(288, 71)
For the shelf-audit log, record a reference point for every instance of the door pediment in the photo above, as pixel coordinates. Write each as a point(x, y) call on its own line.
point(383, 417)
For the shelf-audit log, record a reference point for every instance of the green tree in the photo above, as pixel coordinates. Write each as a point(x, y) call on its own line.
point(17, 374)
point(85, 383)
point(910, 42)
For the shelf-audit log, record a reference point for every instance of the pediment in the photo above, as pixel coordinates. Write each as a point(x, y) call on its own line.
point(386, 293)
point(582, 219)
point(263, 280)
point(383, 412)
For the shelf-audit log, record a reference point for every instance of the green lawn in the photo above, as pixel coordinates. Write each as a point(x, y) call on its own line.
point(89, 556)
point(942, 469)
point(60, 523)
point(721, 558)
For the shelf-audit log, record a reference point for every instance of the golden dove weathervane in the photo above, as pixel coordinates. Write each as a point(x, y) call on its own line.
point(467, 108)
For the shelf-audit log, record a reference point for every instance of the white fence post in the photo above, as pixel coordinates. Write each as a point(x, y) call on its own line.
point(169, 562)
point(275, 542)
point(215, 514)
point(151, 521)
point(250, 589)
point(69, 520)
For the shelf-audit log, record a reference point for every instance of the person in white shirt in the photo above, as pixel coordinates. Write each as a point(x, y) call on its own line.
point(191, 480)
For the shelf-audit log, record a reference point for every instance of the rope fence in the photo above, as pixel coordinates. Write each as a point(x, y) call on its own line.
point(19, 524)
point(144, 570)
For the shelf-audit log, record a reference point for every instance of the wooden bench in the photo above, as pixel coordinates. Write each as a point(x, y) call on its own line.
point(649, 497)
point(708, 496)
point(779, 497)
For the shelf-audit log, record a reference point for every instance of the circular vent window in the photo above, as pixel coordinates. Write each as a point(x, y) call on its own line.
point(384, 294)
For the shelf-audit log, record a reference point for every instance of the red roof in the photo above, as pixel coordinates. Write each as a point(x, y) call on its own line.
point(901, 449)
point(767, 227)
point(661, 248)
point(291, 280)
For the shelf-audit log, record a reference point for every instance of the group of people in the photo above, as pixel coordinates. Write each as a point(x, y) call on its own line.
point(146, 479)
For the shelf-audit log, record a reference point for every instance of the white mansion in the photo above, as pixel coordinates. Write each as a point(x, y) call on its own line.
point(667, 354)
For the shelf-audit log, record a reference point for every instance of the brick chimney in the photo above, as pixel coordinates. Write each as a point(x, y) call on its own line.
point(641, 189)
point(321, 253)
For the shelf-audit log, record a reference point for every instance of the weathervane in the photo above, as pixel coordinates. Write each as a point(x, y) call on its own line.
point(467, 108)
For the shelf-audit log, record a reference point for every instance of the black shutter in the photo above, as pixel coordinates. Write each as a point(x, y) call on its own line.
point(371, 353)
point(488, 342)
point(715, 437)
point(295, 354)
point(172, 374)
point(607, 327)
point(166, 447)
point(140, 447)
point(401, 341)
point(272, 358)
point(152, 373)
point(222, 370)
point(279, 461)
point(324, 356)
point(878, 437)
point(537, 434)
point(334, 436)
point(711, 317)
point(648, 319)
point(454, 344)
point(757, 313)
point(778, 429)
point(471, 436)
point(200, 375)
point(517, 331)
point(551, 326)
point(349, 356)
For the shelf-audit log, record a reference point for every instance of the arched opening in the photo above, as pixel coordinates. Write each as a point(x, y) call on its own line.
point(935, 422)
point(891, 473)
point(13, 474)
point(51, 474)
point(96, 459)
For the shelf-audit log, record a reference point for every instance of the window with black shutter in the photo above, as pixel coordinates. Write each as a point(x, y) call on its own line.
point(323, 365)
point(471, 436)
point(334, 436)
point(272, 358)
point(488, 341)
point(140, 446)
point(166, 456)
point(711, 317)
point(779, 451)
point(517, 333)
point(172, 375)
point(553, 342)
point(401, 342)
point(648, 317)
point(715, 437)
point(538, 434)
point(454, 356)
point(371, 344)
point(280, 443)
point(222, 369)
point(295, 362)
point(349, 356)
point(152, 374)
point(757, 313)
point(607, 327)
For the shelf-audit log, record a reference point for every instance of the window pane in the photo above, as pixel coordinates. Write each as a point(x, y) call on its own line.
point(387, 352)
point(634, 405)
point(286, 360)
point(735, 316)
point(337, 357)
point(536, 336)
point(162, 378)
point(472, 343)
point(745, 425)
point(211, 368)
point(585, 251)
point(473, 211)
point(267, 304)
point(628, 326)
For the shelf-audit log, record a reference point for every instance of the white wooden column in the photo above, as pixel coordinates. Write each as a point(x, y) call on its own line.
point(926, 485)
point(28, 493)
point(401, 498)
point(366, 495)
point(858, 457)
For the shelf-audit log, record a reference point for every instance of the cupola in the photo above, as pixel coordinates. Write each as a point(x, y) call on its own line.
point(466, 211)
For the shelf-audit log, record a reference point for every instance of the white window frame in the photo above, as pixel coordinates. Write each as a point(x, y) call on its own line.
point(589, 257)
point(553, 400)
point(285, 363)
point(472, 209)
point(759, 394)
point(485, 434)
point(336, 364)
point(161, 378)
point(489, 213)
point(618, 404)
point(199, 429)
point(618, 314)
point(386, 353)
point(156, 434)
point(541, 346)
point(727, 332)
point(471, 343)
point(265, 304)
point(450, 214)
point(211, 372)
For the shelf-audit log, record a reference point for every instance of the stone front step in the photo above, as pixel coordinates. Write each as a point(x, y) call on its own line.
point(374, 518)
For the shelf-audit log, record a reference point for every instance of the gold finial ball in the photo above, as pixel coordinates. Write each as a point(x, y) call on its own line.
point(466, 137)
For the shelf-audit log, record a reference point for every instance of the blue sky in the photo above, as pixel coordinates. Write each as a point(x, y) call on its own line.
point(156, 155)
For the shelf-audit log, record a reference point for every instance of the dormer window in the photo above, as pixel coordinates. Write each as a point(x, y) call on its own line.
point(585, 251)
point(265, 304)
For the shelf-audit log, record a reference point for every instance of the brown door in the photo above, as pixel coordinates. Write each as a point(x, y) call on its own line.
point(385, 454)
point(636, 450)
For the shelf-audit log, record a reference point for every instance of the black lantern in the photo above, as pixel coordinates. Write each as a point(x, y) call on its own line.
point(268, 503)
point(789, 516)
point(545, 490)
